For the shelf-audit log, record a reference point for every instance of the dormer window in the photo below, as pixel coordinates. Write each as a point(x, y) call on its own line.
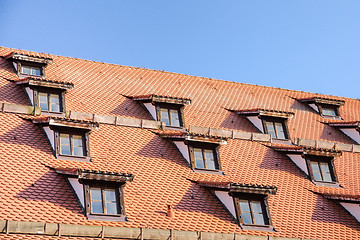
point(321, 169)
point(204, 157)
point(275, 127)
point(246, 202)
point(351, 129)
point(31, 70)
point(166, 109)
point(72, 144)
point(201, 152)
point(317, 163)
point(327, 108)
point(269, 121)
point(68, 138)
point(100, 193)
point(28, 64)
point(50, 102)
point(169, 114)
point(47, 94)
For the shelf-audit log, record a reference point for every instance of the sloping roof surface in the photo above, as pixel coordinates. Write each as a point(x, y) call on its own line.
point(31, 190)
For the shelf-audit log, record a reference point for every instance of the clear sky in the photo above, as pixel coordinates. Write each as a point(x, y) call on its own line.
point(303, 45)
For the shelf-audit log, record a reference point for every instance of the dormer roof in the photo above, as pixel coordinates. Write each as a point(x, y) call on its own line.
point(45, 82)
point(322, 100)
point(30, 57)
point(264, 112)
point(162, 99)
point(65, 122)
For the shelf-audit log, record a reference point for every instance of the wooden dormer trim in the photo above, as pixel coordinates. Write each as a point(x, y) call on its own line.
point(28, 58)
point(43, 82)
point(252, 188)
point(265, 112)
point(320, 100)
point(65, 122)
point(162, 99)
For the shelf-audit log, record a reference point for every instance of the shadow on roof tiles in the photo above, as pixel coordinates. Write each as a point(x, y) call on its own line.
point(130, 108)
point(236, 122)
point(199, 199)
point(51, 188)
point(163, 149)
point(328, 211)
point(27, 134)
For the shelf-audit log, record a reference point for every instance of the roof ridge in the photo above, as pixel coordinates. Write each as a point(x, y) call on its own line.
point(182, 74)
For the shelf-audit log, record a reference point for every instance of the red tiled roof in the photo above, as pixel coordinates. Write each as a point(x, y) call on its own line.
point(32, 190)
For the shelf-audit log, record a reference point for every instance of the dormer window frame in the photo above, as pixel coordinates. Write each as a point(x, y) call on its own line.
point(83, 181)
point(319, 104)
point(321, 108)
point(204, 147)
point(251, 199)
point(37, 90)
point(179, 108)
point(22, 64)
point(58, 131)
point(275, 121)
point(311, 159)
point(154, 103)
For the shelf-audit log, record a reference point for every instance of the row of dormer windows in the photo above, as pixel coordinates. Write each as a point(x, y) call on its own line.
point(106, 200)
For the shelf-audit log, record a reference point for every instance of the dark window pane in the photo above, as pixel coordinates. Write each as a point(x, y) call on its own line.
point(54, 102)
point(279, 130)
point(175, 118)
point(270, 128)
point(96, 207)
point(164, 114)
point(43, 101)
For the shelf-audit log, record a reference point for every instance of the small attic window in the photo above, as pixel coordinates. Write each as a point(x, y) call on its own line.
point(321, 169)
point(251, 204)
point(327, 108)
point(50, 101)
point(69, 138)
point(276, 127)
point(170, 114)
point(204, 156)
point(31, 70)
point(271, 122)
point(164, 108)
point(252, 210)
point(100, 193)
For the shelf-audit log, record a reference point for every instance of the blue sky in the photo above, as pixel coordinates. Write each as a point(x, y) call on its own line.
point(303, 45)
